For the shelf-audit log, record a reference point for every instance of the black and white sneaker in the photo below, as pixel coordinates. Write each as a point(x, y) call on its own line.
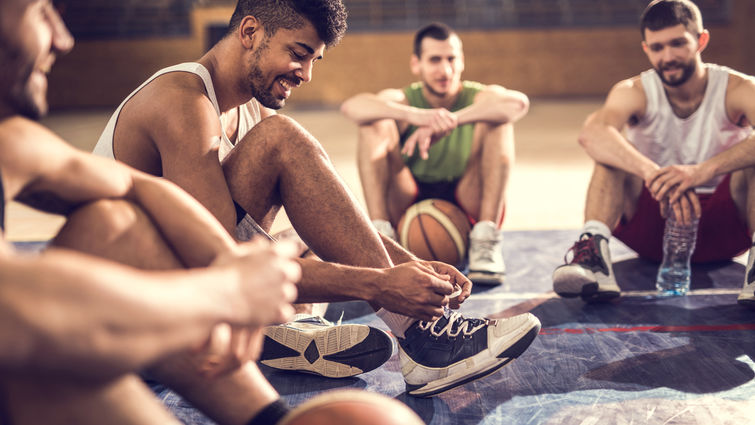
point(451, 351)
point(315, 345)
point(747, 295)
point(589, 273)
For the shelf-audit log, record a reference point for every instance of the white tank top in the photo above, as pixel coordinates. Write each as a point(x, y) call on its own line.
point(249, 116)
point(669, 140)
point(249, 113)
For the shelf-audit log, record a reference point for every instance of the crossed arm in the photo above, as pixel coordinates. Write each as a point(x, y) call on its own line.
point(73, 313)
point(494, 104)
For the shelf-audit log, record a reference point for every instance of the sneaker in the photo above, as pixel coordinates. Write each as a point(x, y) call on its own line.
point(385, 227)
point(589, 274)
point(486, 265)
point(451, 351)
point(747, 296)
point(315, 345)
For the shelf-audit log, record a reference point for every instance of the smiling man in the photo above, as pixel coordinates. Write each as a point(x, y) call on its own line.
point(210, 126)
point(464, 140)
point(689, 150)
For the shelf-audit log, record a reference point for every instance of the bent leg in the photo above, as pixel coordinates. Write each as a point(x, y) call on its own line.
point(611, 195)
point(124, 401)
point(388, 185)
point(279, 163)
point(482, 188)
point(122, 232)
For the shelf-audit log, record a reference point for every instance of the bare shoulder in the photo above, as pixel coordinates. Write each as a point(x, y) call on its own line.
point(174, 108)
point(627, 97)
point(740, 97)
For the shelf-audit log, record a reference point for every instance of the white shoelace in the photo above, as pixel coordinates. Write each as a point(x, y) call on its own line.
point(448, 329)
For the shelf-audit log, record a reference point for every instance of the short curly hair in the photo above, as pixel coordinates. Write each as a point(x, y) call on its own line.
point(661, 14)
point(327, 16)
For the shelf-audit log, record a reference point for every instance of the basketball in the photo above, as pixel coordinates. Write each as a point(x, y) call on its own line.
point(435, 229)
point(353, 407)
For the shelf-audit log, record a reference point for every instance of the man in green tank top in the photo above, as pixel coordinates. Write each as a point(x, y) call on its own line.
point(440, 137)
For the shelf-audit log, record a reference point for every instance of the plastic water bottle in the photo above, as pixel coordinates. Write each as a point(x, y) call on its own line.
point(678, 246)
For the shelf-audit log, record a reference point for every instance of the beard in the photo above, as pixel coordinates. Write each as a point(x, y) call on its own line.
point(256, 81)
point(688, 69)
point(19, 93)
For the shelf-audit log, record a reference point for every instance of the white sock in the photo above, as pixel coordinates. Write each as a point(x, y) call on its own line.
point(397, 323)
point(595, 227)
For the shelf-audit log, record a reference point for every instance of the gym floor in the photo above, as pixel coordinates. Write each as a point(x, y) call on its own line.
point(643, 359)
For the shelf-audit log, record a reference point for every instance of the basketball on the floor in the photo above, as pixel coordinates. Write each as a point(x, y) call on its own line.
point(353, 407)
point(436, 230)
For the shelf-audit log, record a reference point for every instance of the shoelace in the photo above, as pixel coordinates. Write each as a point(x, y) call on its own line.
point(456, 325)
point(585, 251)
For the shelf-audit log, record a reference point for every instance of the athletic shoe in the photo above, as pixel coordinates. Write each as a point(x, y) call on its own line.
point(314, 345)
point(385, 227)
point(486, 265)
point(589, 274)
point(451, 351)
point(747, 296)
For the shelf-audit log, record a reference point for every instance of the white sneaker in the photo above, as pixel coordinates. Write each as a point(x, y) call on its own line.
point(747, 296)
point(385, 227)
point(486, 265)
point(451, 351)
point(315, 345)
point(589, 273)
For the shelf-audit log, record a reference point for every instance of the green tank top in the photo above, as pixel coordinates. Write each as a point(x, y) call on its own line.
point(448, 157)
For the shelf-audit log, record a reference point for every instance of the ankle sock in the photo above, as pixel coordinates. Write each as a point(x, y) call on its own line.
point(595, 227)
point(397, 323)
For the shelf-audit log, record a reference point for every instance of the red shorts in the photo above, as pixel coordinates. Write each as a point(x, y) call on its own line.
point(447, 192)
point(721, 235)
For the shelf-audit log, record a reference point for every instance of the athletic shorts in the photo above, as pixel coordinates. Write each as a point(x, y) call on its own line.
point(246, 227)
point(447, 192)
point(722, 234)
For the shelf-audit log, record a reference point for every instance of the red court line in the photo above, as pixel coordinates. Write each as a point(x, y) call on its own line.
point(659, 328)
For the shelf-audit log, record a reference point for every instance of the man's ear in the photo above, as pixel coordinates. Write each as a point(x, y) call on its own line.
point(702, 41)
point(414, 64)
point(249, 29)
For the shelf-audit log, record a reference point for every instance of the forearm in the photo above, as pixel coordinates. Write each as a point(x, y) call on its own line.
point(329, 282)
point(605, 145)
point(495, 108)
point(397, 253)
point(739, 156)
point(366, 108)
point(195, 235)
point(71, 313)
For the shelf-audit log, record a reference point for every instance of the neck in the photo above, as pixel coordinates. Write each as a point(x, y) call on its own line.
point(694, 87)
point(223, 64)
point(446, 101)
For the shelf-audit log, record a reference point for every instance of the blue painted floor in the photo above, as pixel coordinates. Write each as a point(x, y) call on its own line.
point(641, 360)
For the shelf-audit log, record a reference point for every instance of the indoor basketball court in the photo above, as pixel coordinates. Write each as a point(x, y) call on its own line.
point(642, 359)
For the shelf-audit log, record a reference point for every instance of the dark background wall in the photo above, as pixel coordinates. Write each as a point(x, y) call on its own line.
point(540, 47)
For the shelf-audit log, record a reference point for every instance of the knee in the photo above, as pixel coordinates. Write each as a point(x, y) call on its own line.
point(282, 135)
point(105, 220)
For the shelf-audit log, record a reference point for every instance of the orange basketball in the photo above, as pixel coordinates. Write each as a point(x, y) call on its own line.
point(435, 229)
point(353, 407)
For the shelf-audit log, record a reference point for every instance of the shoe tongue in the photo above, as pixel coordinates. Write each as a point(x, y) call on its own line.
point(585, 236)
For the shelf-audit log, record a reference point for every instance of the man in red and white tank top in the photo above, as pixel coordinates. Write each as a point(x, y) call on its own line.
point(676, 139)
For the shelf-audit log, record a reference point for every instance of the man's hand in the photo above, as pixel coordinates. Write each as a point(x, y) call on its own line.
point(265, 285)
point(414, 289)
point(685, 209)
point(457, 279)
point(432, 125)
point(227, 349)
point(675, 180)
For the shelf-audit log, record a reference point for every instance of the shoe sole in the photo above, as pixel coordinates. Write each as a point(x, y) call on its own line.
point(334, 352)
point(568, 284)
point(506, 357)
point(747, 302)
point(486, 278)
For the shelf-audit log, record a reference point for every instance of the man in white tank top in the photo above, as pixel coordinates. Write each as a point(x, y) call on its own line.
point(173, 127)
point(689, 150)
